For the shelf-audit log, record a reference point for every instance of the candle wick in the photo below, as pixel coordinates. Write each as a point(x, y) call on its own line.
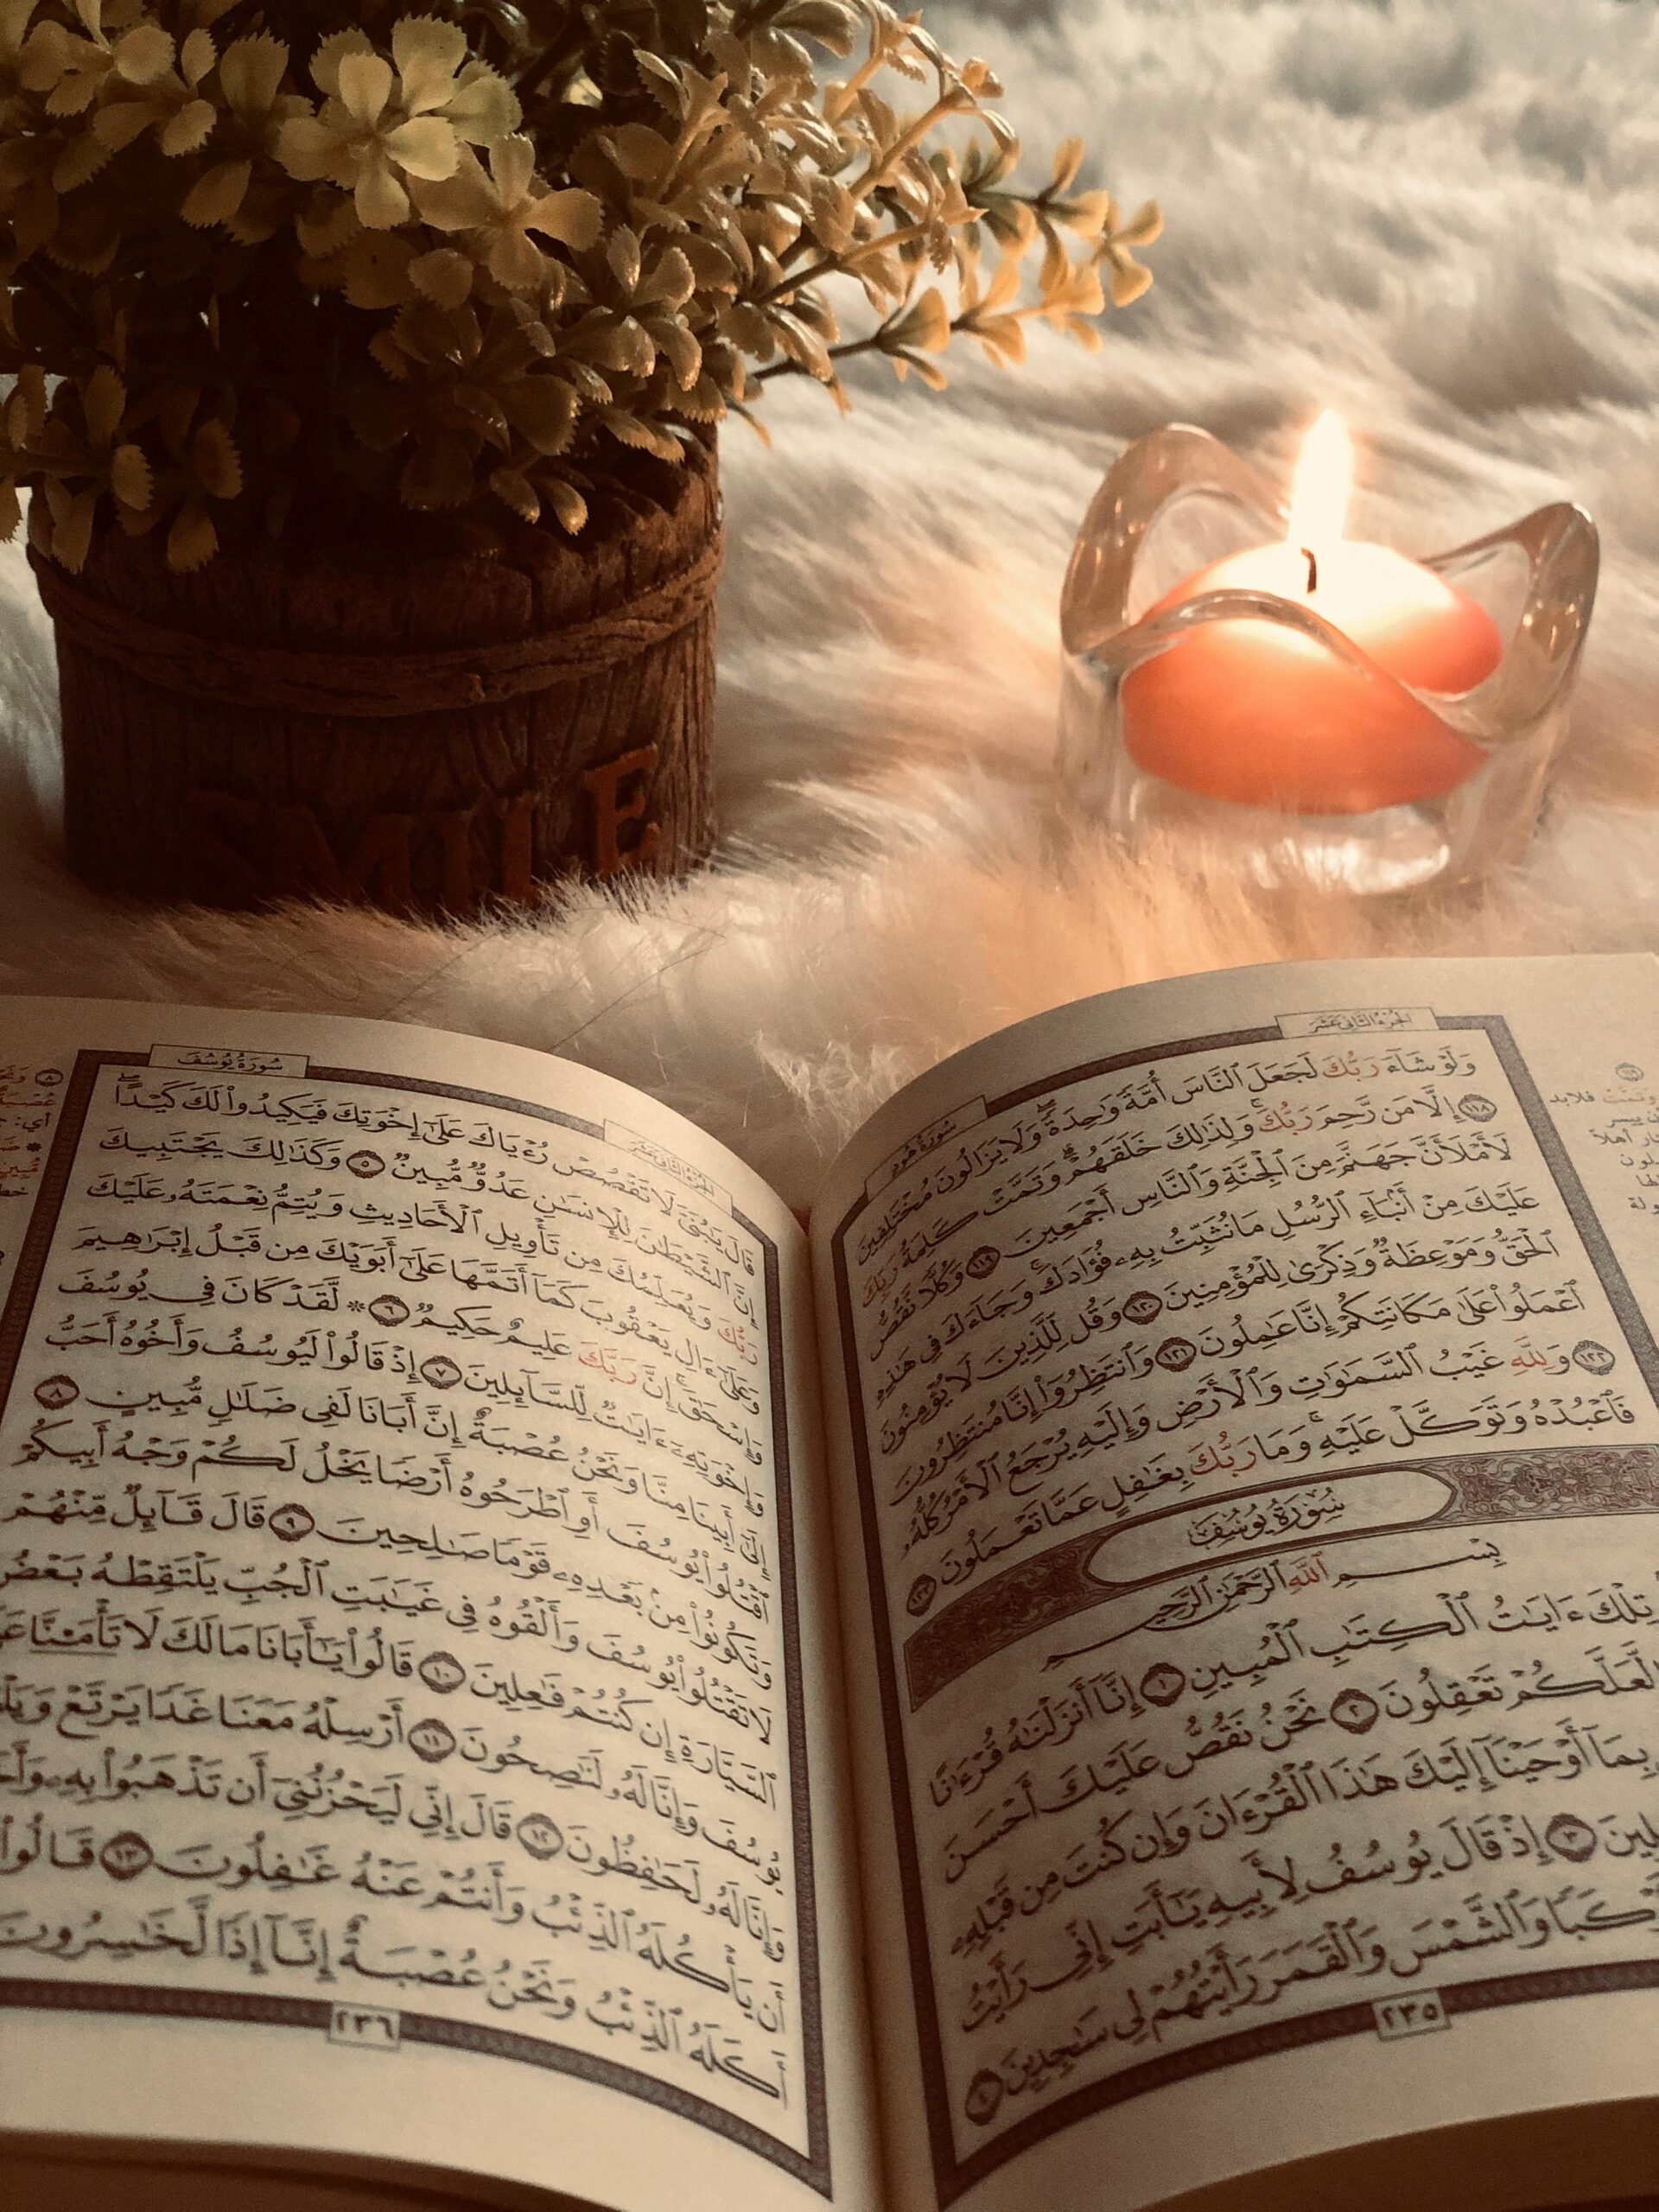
point(1312, 569)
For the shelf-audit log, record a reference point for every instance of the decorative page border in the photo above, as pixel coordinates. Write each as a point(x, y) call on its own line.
point(1634, 1483)
point(811, 2167)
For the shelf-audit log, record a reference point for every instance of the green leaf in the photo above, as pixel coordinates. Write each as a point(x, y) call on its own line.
point(660, 81)
point(575, 218)
point(639, 152)
point(122, 121)
point(679, 348)
point(669, 282)
point(215, 462)
point(622, 252)
point(1129, 281)
point(827, 21)
point(443, 275)
point(645, 437)
point(566, 502)
point(377, 270)
point(515, 491)
point(252, 73)
point(1144, 228)
point(1068, 160)
point(193, 541)
point(79, 161)
point(103, 400)
point(929, 373)
point(217, 194)
point(197, 56)
point(486, 411)
point(131, 478)
point(145, 54)
point(834, 214)
point(26, 408)
point(187, 131)
point(801, 344)
point(541, 409)
point(926, 324)
point(72, 536)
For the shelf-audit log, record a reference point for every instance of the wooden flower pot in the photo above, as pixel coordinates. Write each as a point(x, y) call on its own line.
point(388, 723)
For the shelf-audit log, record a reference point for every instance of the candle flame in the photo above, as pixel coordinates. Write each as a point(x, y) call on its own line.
point(1320, 489)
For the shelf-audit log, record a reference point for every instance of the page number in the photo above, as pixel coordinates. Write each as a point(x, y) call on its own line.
point(1416, 2015)
point(370, 2027)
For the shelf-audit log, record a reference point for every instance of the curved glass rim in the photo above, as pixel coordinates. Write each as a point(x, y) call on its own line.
point(1559, 542)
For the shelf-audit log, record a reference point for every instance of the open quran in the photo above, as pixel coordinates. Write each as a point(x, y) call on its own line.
point(1120, 1667)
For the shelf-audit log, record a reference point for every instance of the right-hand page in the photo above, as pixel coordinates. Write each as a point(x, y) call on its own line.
point(1246, 1403)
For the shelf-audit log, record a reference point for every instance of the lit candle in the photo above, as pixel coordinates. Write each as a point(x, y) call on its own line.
point(1253, 711)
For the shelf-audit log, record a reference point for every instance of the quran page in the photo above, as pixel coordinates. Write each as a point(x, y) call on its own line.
point(421, 1736)
point(1245, 1409)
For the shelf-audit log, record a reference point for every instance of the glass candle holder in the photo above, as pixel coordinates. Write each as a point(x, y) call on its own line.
point(1178, 501)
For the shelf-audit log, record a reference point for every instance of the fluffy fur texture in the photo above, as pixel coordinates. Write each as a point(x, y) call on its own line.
point(1436, 215)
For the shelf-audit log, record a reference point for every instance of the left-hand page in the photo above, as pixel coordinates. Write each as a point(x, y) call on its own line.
point(420, 1732)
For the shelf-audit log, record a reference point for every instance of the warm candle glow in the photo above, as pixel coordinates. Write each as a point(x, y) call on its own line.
point(1265, 714)
point(1320, 489)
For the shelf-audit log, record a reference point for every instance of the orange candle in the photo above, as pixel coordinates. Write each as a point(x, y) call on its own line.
point(1252, 711)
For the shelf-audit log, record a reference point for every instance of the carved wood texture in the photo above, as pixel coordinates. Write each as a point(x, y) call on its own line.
point(231, 800)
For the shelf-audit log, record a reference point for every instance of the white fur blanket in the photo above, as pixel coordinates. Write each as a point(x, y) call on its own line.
point(1436, 215)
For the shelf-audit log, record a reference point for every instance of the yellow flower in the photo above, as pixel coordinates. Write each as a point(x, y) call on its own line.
point(152, 91)
point(380, 125)
point(501, 205)
point(68, 68)
point(250, 78)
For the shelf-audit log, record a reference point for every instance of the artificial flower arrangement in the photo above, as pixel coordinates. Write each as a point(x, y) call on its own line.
point(281, 269)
